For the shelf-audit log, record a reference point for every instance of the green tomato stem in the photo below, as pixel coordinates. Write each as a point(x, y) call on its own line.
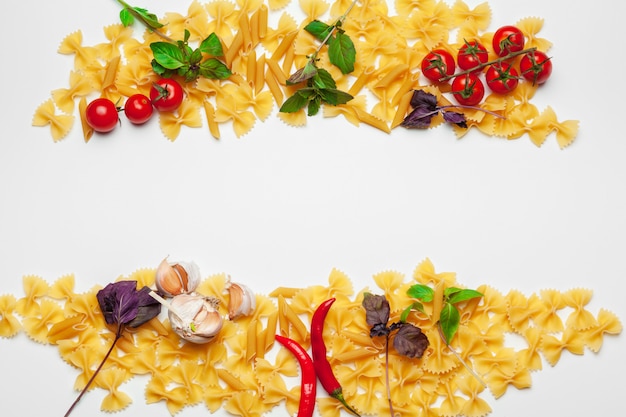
point(486, 64)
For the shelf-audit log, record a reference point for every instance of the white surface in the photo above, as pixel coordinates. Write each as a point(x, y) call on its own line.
point(283, 206)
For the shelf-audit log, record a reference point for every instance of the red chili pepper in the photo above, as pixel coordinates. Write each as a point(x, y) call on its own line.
point(320, 361)
point(308, 383)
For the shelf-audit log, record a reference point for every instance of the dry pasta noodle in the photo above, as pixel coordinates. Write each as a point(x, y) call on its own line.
point(234, 48)
point(244, 28)
point(408, 84)
point(403, 107)
point(388, 45)
point(251, 67)
point(369, 119)
point(210, 115)
point(235, 363)
point(280, 76)
point(286, 43)
point(251, 341)
point(272, 84)
point(361, 80)
point(259, 72)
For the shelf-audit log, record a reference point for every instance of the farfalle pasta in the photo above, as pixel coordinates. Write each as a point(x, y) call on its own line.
point(235, 372)
point(262, 53)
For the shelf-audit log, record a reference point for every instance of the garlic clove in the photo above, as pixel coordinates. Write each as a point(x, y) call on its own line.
point(241, 300)
point(174, 278)
point(195, 318)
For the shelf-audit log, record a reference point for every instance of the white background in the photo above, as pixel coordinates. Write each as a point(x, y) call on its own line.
point(283, 206)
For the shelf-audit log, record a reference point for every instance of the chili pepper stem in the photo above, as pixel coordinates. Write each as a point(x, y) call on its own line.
point(338, 395)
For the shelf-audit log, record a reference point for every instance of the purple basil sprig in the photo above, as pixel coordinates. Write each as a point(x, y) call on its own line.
point(425, 108)
point(125, 306)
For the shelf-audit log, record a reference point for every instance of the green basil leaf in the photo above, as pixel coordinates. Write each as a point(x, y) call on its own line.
point(195, 57)
point(342, 53)
point(333, 96)
point(421, 292)
point(215, 69)
point(463, 295)
point(157, 68)
point(449, 320)
point(211, 45)
point(126, 18)
point(314, 106)
point(323, 79)
point(318, 29)
point(297, 101)
point(167, 55)
point(149, 19)
point(415, 306)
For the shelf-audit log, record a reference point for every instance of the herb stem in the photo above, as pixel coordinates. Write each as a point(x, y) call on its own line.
point(391, 412)
point(463, 106)
point(132, 11)
point(337, 23)
point(118, 335)
point(455, 353)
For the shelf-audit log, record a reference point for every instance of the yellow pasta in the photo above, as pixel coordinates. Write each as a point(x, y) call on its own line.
point(371, 120)
point(9, 324)
point(64, 98)
point(60, 124)
point(209, 112)
point(388, 48)
point(232, 373)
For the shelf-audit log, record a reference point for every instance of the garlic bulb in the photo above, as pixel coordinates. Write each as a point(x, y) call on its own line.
point(195, 317)
point(177, 278)
point(241, 300)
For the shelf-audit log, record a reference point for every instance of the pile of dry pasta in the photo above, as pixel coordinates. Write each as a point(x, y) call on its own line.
point(245, 373)
point(389, 49)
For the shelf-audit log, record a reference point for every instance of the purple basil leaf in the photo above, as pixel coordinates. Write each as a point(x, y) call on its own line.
point(421, 98)
point(419, 118)
point(410, 341)
point(119, 302)
point(376, 310)
point(148, 308)
point(456, 118)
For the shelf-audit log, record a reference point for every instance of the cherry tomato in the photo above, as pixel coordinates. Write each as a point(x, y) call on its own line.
point(471, 55)
point(501, 78)
point(507, 39)
point(101, 115)
point(437, 64)
point(467, 89)
point(138, 109)
point(536, 66)
point(166, 94)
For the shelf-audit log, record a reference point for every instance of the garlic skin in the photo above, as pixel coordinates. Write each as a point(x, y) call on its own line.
point(195, 318)
point(174, 278)
point(241, 300)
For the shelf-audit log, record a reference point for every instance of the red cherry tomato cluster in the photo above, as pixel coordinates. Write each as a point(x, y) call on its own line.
point(502, 75)
point(166, 95)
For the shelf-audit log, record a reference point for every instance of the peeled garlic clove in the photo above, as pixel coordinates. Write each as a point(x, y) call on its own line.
point(174, 278)
point(195, 317)
point(241, 300)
